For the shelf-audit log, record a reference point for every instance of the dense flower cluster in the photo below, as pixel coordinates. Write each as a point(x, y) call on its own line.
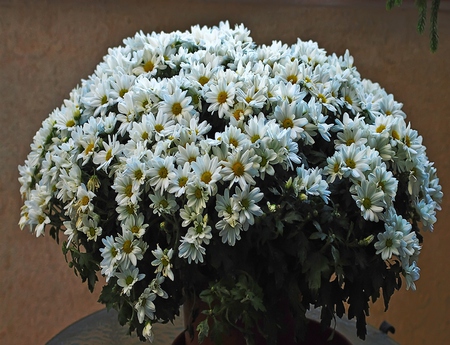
point(200, 154)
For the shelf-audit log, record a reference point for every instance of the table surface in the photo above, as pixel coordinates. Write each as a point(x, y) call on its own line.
point(102, 328)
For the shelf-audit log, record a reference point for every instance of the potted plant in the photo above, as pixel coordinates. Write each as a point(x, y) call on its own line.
point(257, 180)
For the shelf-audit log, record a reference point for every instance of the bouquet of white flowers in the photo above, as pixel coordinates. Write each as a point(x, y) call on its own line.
point(200, 164)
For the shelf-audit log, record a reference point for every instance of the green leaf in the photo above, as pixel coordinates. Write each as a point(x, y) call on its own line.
point(316, 265)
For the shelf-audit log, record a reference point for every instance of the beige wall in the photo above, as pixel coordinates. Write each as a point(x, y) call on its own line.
point(46, 47)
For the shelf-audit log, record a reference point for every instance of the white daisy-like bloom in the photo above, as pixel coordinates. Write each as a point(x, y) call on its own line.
point(182, 175)
point(333, 169)
point(197, 196)
point(127, 191)
point(110, 150)
point(130, 249)
point(411, 272)
point(245, 204)
point(310, 182)
point(111, 257)
point(370, 200)
point(127, 278)
point(207, 171)
point(221, 97)
point(155, 286)
point(191, 249)
point(177, 104)
point(146, 308)
point(163, 203)
point(135, 224)
point(354, 160)
point(163, 261)
point(239, 168)
point(389, 243)
point(285, 115)
point(90, 228)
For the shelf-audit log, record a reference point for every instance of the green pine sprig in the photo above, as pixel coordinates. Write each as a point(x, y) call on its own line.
point(422, 6)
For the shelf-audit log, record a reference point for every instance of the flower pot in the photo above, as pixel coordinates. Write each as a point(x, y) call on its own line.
point(315, 335)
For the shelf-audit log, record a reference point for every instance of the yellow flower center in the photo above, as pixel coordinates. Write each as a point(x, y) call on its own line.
point(162, 172)
point(407, 141)
point(255, 138)
point(206, 177)
point(108, 155)
point(127, 247)
point(238, 113)
point(176, 108)
point(203, 80)
point(222, 97)
point(129, 190)
point(84, 200)
point(380, 128)
point(336, 167)
point(367, 204)
point(234, 142)
point(134, 229)
point(395, 135)
point(238, 169)
point(89, 148)
point(288, 123)
point(104, 100)
point(348, 99)
point(350, 141)
point(350, 163)
point(322, 98)
point(292, 78)
point(138, 174)
point(70, 123)
point(148, 66)
point(159, 127)
point(182, 181)
point(123, 92)
point(198, 193)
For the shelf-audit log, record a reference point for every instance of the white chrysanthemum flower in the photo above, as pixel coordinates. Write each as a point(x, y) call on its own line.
point(90, 228)
point(177, 104)
point(427, 213)
point(163, 203)
point(207, 170)
point(354, 161)
point(388, 243)
point(135, 224)
point(111, 257)
point(370, 200)
point(220, 97)
point(146, 308)
point(155, 286)
point(130, 249)
point(187, 154)
point(411, 273)
point(240, 168)
point(147, 332)
point(384, 180)
point(127, 278)
point(110, 150)
point(285, 115)
point(197, 196)
point(245, 203)
point(191, 249)
point(127, 191)
point(163, 261)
